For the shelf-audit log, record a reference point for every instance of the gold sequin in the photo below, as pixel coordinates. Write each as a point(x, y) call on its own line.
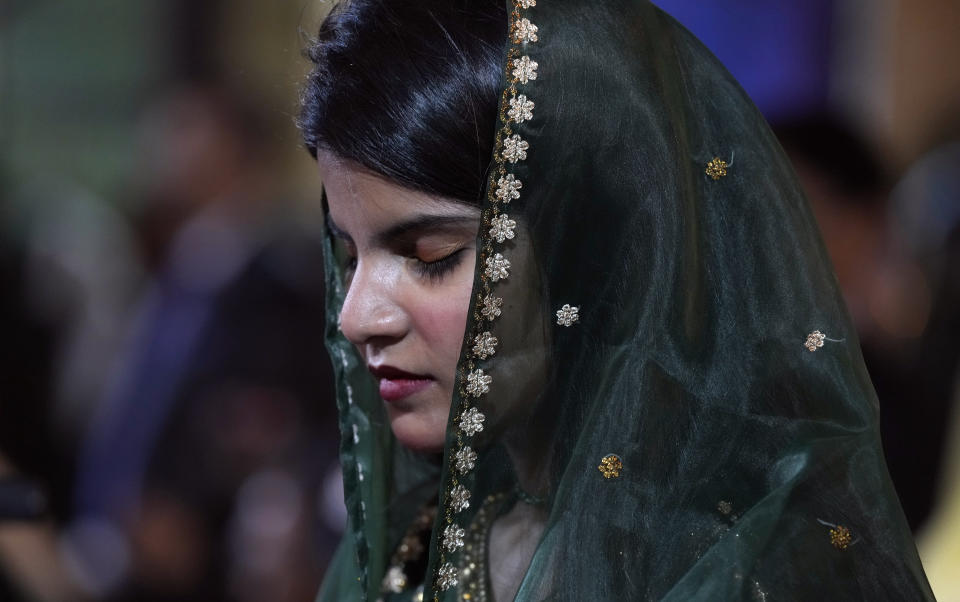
point(717, 168)
point(840, 537)
point(610, 466)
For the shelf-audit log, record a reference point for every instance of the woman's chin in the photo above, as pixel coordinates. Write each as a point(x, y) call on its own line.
point(417, 432)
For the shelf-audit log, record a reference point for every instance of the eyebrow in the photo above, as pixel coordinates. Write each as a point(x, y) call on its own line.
point(411, 227)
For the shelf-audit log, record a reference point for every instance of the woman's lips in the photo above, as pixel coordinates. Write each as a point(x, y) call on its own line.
point(395, 390)
point(396, 384)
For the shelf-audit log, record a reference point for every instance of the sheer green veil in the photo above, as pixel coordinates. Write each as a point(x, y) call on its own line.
point(657, 357)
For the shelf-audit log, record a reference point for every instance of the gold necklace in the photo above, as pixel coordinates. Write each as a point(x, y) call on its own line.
point(475, 583)
point(410, 550)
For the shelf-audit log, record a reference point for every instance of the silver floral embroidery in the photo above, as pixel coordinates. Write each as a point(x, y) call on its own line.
point(459, 498)
point(478, 383)
point(502, 227)
point(525, 32)
point(508, 188)
point(395, 580)
point(491, 307)
point(471, 421)
point(497, 267)
point(453, 538)
point(515, 148)
point(484, 345)
point(567, 315)
point(525, 69)
point(447, 577)
point(465, 459)
point(815, 340)
point(521, 109)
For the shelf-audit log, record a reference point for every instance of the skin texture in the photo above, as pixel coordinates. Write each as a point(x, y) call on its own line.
point(409, 280)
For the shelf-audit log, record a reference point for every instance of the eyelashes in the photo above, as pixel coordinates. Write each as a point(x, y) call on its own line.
point(435, 271)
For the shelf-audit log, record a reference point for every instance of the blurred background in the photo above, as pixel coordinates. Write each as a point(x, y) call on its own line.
point(167, 429)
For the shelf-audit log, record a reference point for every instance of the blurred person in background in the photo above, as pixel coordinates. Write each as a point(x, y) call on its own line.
point(202, 473)
point(68, 271)
point(887, 293)
point(198, 477)
point(926, 205)
point(896, 251)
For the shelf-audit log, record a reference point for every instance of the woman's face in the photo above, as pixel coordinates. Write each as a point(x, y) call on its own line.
point(408, 292)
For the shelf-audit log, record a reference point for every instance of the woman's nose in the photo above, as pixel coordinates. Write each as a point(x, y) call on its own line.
point(370, 312)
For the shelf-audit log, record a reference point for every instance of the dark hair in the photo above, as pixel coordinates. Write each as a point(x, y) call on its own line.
point(409, 89)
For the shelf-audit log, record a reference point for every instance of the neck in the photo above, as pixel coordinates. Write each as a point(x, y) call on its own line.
point(533, 473)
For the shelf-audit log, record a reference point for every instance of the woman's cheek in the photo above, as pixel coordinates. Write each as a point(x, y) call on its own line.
point(442, 324)
point(442, 317)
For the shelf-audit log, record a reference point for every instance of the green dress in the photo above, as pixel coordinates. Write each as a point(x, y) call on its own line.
point(657, 355)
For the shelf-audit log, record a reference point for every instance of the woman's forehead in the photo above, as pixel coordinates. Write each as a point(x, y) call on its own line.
point(358, 199)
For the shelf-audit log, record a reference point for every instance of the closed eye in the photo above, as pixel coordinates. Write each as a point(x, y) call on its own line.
point(436, 269)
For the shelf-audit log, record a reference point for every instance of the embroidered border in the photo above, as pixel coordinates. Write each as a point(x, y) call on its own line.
point(496, 229)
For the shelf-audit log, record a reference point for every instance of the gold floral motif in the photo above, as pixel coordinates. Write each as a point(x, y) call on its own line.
point(471, 422)
point(478, 383)
point(840, 537)
point(717, 168)
point(508, 187)
point(484, 345)
point(610, 466)
point(491, 307)
point(725, 507)
point(502, 227)
point(527, 3)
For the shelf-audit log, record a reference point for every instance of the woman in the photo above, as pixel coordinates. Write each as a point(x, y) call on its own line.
point(657, 394)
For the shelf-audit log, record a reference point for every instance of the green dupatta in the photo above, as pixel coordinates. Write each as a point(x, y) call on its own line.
point(674, 371)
